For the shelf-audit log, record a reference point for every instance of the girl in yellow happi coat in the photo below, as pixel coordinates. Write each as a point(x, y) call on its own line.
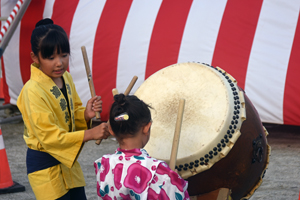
point(55, 122)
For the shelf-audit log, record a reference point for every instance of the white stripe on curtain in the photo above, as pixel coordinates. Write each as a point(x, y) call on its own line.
point(83, 30)
point(201, 31)
point(135, 42)
point(48, 11)
point(266, 74)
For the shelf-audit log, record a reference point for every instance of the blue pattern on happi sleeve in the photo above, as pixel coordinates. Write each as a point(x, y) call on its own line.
point(105, 191)
point(139, 157)
point(178, 196)
point(136, 196)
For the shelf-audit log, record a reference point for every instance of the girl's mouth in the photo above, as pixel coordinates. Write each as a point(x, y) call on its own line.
point(58, 71)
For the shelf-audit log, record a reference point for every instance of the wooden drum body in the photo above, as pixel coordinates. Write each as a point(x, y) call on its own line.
point(222, 142)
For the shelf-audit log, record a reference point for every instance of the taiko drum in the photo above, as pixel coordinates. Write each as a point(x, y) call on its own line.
point(222, 141)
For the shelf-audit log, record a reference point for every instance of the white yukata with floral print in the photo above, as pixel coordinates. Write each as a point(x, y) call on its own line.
point(133, 174)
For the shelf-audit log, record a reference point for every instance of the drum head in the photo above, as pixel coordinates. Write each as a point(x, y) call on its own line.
point(207, 114)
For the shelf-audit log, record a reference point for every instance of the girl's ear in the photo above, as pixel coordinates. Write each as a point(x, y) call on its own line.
point(34, 58)
point(110, 130)
point(146, 129)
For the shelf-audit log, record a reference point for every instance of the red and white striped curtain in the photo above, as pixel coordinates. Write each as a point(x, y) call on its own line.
point(257, 42)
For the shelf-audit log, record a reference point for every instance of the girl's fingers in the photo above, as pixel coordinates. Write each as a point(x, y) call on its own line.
point(97, 104)
point(95, 99)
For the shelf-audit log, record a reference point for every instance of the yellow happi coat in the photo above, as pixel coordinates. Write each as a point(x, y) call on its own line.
point(49, 127)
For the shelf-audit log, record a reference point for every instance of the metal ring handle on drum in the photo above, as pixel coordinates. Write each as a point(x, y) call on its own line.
point(257, 149)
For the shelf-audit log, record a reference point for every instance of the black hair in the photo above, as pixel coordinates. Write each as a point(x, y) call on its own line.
point(47, 38)
point(137, 110)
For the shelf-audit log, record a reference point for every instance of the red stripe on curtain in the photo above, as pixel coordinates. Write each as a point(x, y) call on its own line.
point(167, 35)
point(63, 13)
point(5, 86)
point(235, 38)
point(106, 50)
point(33, 14)
point(291, 109)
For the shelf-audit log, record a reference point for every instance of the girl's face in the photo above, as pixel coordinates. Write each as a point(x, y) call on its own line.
point(54, 66)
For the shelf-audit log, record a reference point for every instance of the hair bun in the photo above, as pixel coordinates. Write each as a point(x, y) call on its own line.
point(120, 99)
point(44, 22)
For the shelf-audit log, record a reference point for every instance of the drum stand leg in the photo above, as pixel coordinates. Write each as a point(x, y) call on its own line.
point(219, 194)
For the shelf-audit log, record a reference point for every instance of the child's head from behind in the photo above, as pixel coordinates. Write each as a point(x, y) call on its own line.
point(48, 38)
point(128, 114)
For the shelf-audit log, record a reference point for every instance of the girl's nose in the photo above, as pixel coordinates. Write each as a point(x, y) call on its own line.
point(58, 61)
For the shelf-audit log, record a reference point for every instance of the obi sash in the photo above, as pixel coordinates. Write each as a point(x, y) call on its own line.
point(38, 160)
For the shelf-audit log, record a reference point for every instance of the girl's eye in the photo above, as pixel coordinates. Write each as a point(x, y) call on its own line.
point(65, 55)
point(51, 58)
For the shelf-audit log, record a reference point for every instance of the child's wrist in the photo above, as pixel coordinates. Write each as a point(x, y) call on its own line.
point(88, 135)
point(86, 117)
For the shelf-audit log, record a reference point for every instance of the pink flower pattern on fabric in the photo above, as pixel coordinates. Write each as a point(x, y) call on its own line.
point(163, 195)
point(117, 175)
point(96, 167)
point(133, 174)
point(153, 167)
point(106, 197)
point(155, 179)
point(175, 178)
point(125, 197)
point(152, 195)
point(141, 175)
point(104, 169)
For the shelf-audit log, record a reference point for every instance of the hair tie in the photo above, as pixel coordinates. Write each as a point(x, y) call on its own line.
point(122, 117)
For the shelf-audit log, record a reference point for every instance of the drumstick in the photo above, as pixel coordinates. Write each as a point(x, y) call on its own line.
point(90, 80)
point(130, 86)
point(89, 76)
point(177, 135)
point(115, 91)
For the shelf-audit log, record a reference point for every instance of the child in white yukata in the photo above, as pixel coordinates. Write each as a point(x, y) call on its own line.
point(130, 173)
